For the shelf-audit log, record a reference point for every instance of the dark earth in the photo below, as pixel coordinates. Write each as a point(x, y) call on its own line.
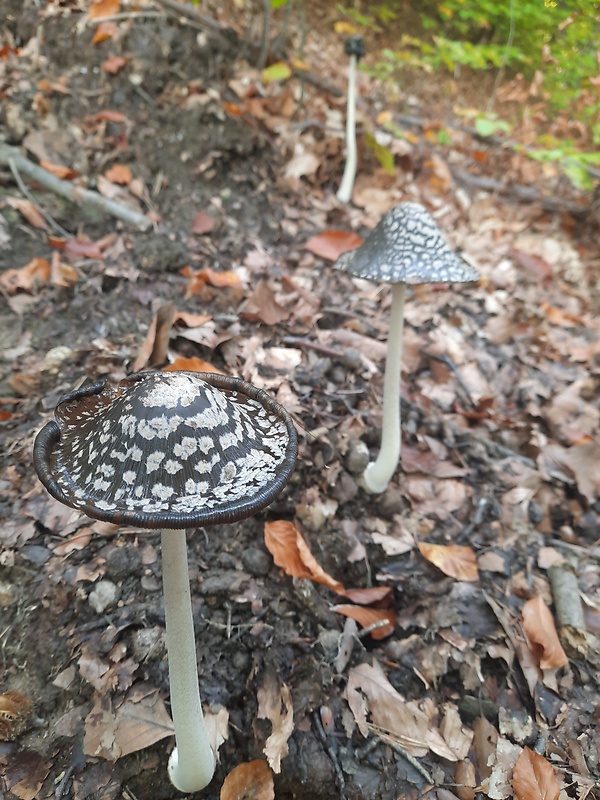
point(255, 625)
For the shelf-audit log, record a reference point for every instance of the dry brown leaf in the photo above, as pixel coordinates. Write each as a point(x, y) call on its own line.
point(453, 560)
point(534, 778)
point(119, 173)
point(197, 280)
point(62, 274)
point(250, 781)
point(140, 721)
point(370, 596)
point(28, 278)
point(104, 8)
point(156, 344)
point(105, 30)
point(275, 704)
point(193, 364)
point(202, 223)
point(538, 624)
point(384, 619)
point(262, 306)
point(29, 211)
point(404, 722)
point(82, 248)
point(25, 773)
point(332, 243)
point(114, 64)
point(292, 554)
point(15, 711)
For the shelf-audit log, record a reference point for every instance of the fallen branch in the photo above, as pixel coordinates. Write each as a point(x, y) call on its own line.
point(14, 159)
point(569, 611)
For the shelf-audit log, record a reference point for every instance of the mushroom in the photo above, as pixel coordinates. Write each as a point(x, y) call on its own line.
point(170, 450)
point(406, 247)
point(354, 47)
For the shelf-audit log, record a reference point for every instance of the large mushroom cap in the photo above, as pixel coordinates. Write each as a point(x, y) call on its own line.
point(407, 246)
point(167, 450)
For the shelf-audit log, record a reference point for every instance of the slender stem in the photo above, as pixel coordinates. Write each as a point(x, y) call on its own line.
point(345, 191)
point(379, 472)
point(192, 762)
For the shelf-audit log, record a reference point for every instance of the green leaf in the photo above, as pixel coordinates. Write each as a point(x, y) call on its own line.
point(383, 154)
point(486, 126)
point(280, 71)
point(278, 3)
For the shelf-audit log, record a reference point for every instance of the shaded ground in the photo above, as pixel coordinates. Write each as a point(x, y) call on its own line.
point(500, 429)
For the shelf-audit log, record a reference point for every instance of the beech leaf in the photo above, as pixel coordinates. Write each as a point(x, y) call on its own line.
point(250, 781)
point(538, 624)
point(332, 243)
point(453, 560)
point(534, 778)
point(292, 554)
point(370, 616)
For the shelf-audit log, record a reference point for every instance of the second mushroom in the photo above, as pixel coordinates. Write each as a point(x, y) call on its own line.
point(170, 450)
point(406, 247)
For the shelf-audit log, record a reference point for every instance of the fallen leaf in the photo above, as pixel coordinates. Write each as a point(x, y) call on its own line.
point(453, 560)
point(28, 278)
point(119, 173)
point(192, 364)
point(25, 773)
point(275, 704)
point(404, 722)
point(156, 344)
point(292, 554)
point(197, 280)
point(383, 619)
point(538, 624)
point(104, 8)
point(332, 243)
point(262, 305)
point(105, 30)
point(534, 778)
point(15, 710)
point(250, 781)
point(369, 596)
point(114, 64)
point(81, 248)
point(29, 211)
point(64, 173)
point(202, 223)
point(280, 71)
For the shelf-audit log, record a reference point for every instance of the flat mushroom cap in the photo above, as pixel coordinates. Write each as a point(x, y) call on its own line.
point(167, 450)
point(407, 246)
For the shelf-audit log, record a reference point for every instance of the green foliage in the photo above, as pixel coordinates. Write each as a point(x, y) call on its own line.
point(572, 162)
point(381, 153)
point(490, 124)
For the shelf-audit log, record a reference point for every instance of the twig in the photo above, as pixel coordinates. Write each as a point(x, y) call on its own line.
point(190, 13)
point(569, 611)
point(401, 751)
point(24, 190)
point(68, 190)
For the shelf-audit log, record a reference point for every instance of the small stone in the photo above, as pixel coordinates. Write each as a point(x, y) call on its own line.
point(391, 502)
point(256, 561)
point(55, 358)
point(104, 595)
point(345, 488)
point(8, 594)
point(357, 457)
point(147, 644)
point(123, 562)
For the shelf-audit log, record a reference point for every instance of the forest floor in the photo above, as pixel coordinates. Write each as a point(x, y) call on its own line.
point(454, 672)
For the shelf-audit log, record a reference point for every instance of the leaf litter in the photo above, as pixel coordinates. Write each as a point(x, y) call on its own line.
point(458, 668)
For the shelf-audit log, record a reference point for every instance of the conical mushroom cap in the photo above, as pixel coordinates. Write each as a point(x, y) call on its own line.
point(407, 246)
point(167, 450)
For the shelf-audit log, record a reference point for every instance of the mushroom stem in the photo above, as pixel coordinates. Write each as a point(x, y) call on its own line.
point(378, 473)
point(344, 193)
point(192, 762)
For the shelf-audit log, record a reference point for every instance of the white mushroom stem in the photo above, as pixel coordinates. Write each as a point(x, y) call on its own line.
point(344, 193)
point(378, 473)
point(192, 762)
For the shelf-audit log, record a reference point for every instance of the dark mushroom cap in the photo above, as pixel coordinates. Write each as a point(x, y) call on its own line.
point(167, 450)
point(407, 246)
point(355, 46)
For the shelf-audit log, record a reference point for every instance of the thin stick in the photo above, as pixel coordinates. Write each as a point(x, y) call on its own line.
point(24, 190)
point(65, 189)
